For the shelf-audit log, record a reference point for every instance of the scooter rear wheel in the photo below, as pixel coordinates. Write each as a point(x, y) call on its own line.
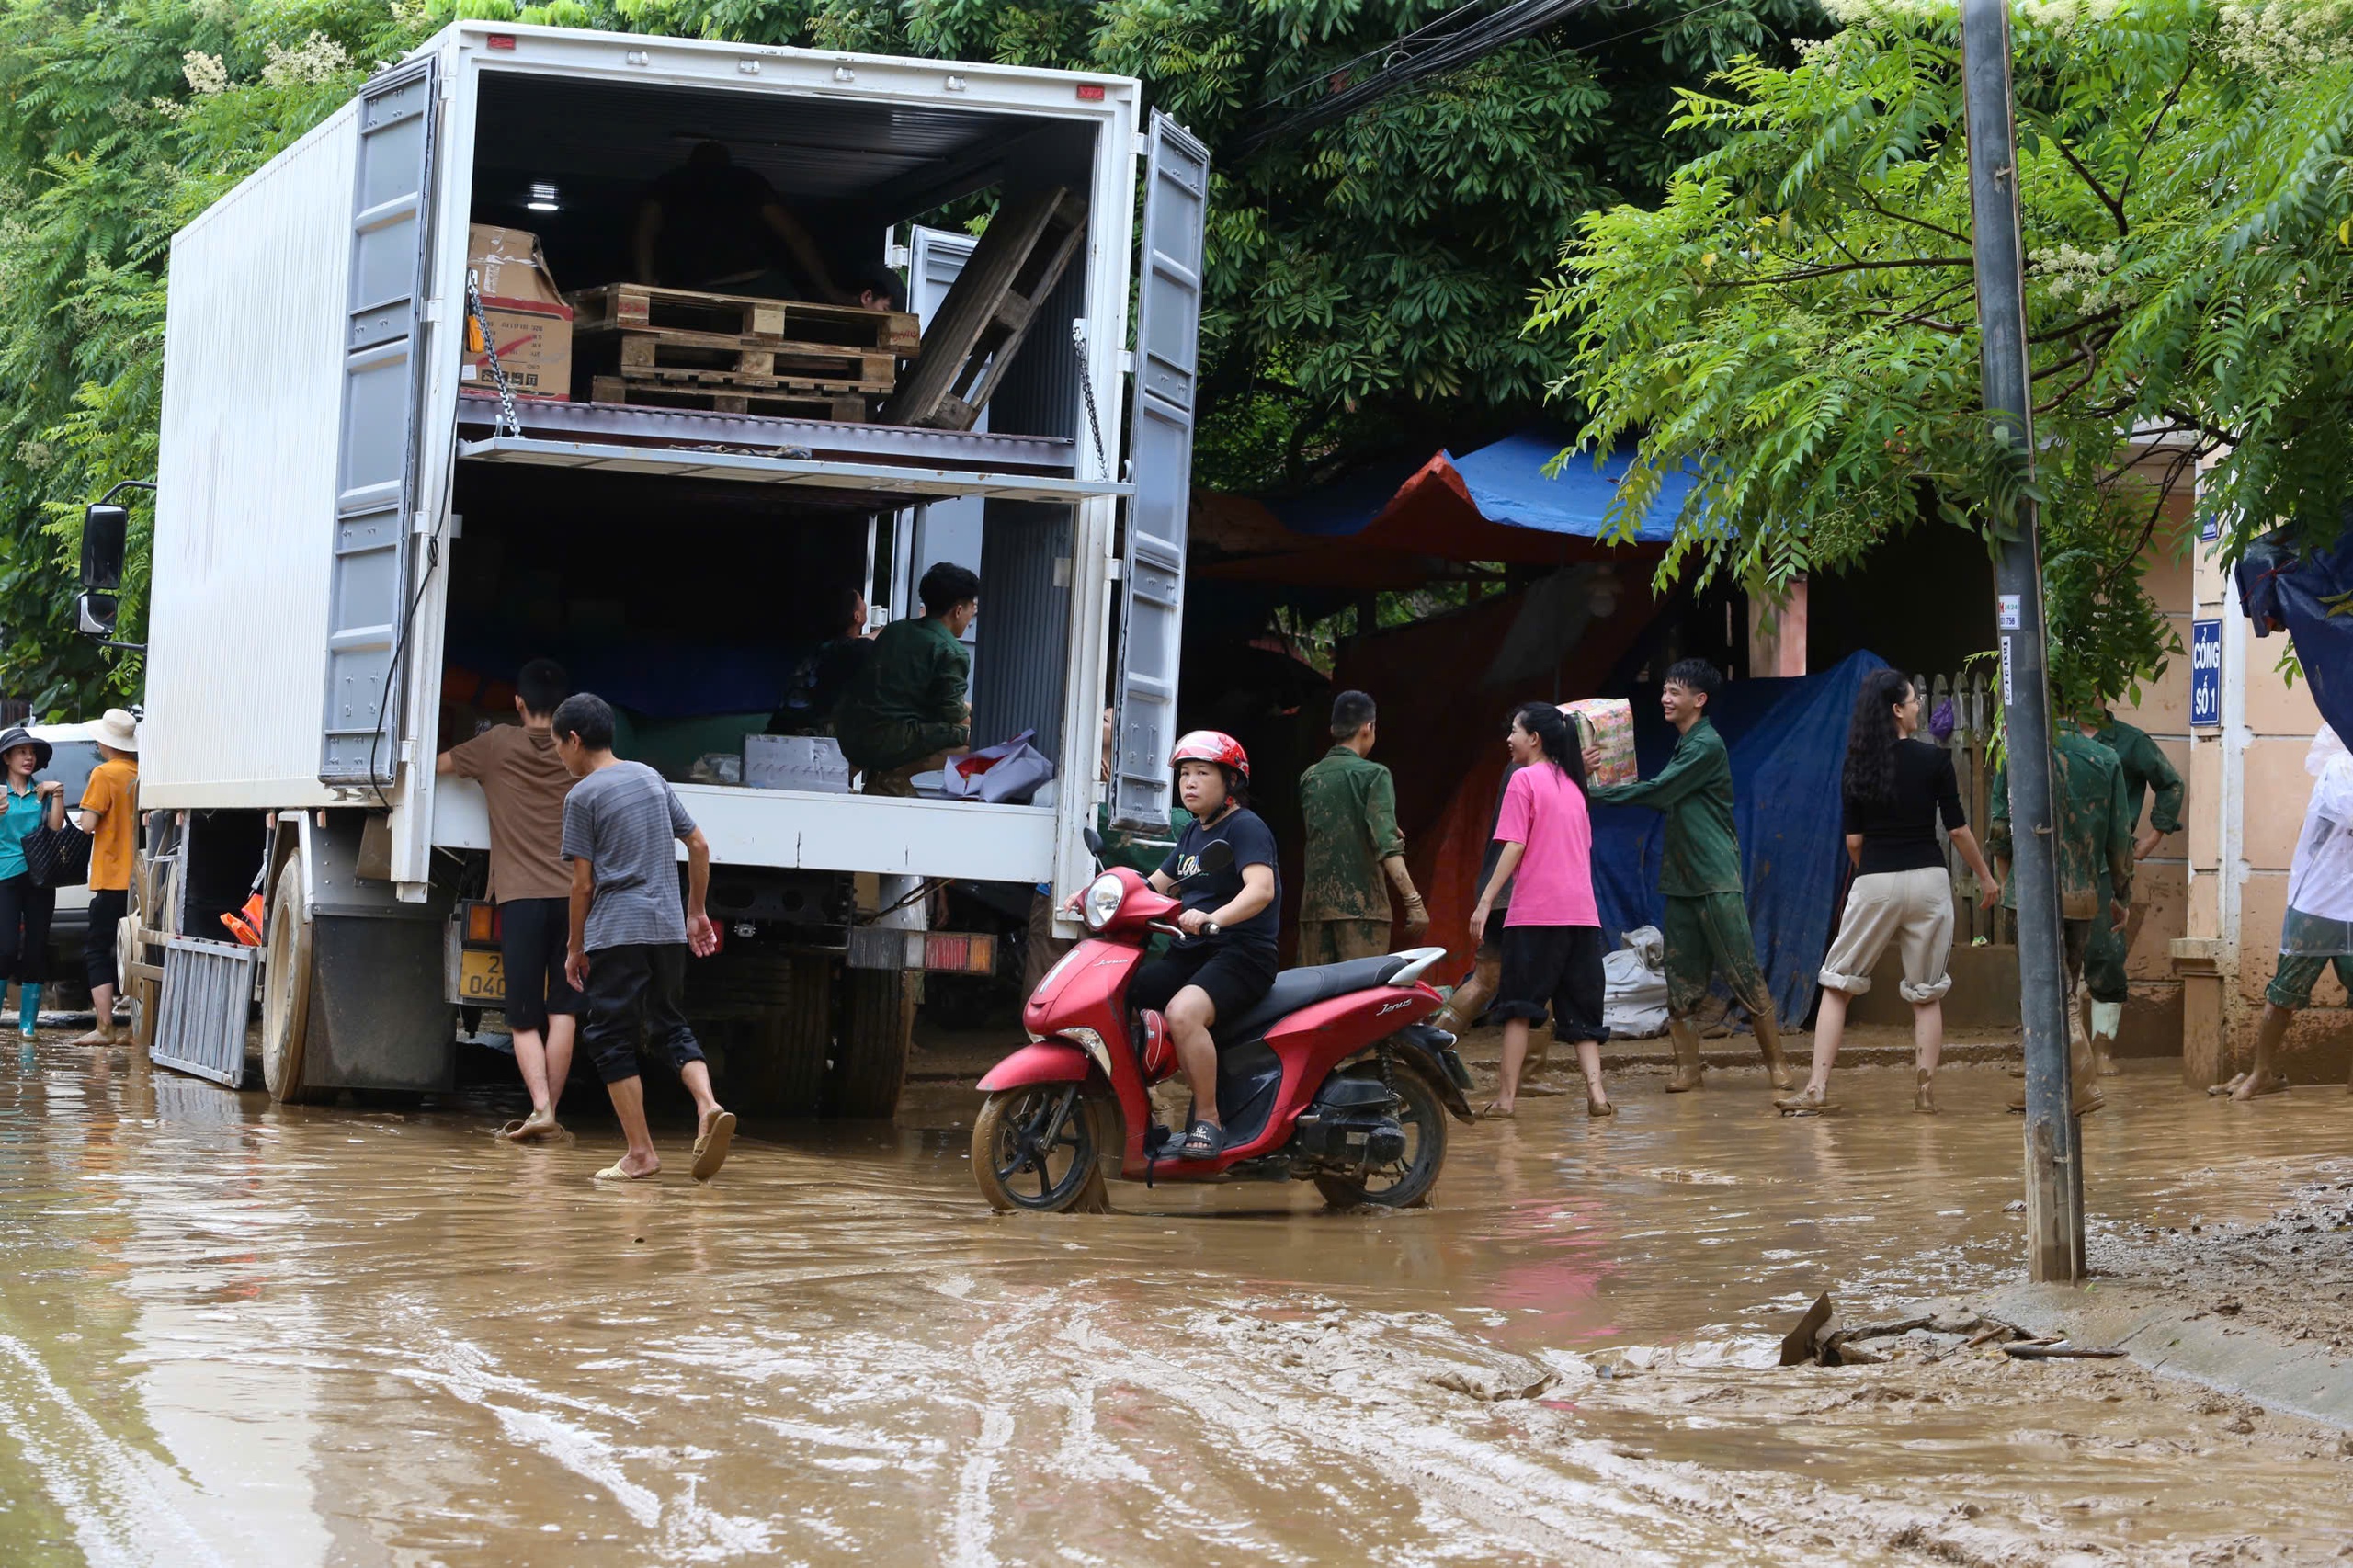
point(1408, 1181)
point(1034, 1149)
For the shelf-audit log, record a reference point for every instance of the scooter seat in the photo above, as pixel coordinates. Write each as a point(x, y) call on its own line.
point(1297, 988)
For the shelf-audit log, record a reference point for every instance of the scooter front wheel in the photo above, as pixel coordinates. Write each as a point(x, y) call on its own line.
point(1033, 1148)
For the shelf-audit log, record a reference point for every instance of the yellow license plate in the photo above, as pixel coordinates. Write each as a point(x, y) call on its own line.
point(482, 977)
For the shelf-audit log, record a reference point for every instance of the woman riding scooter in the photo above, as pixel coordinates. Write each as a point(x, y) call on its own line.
point(1225, 963)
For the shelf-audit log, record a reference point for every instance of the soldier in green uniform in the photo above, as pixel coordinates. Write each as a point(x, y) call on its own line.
point(1707, 918)
point(909, 703)
point(2145, 771)
point(2095, 867)
point(1350, 805)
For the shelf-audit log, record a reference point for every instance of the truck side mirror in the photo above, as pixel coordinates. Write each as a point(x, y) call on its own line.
point(106, 539)
point(96, 614)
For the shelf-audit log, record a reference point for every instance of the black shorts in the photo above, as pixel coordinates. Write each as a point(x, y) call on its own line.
point(1559, 965)
point(107, 906)
point(1236, 978)
point(532, 935)
point(637, 991)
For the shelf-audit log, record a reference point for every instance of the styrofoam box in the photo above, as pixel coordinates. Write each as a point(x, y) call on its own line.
point(795, 762)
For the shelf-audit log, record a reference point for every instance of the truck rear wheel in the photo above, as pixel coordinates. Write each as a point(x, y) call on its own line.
point(770, 1016)
point(286, 988)
point(878, 1029)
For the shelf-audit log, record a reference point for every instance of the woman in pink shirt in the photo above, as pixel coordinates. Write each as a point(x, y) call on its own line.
point(1553, 932)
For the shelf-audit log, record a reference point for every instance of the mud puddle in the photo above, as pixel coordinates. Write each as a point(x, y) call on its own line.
point(233, 1332)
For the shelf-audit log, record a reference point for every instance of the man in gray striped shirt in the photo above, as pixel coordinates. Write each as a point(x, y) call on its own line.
point(630, 936)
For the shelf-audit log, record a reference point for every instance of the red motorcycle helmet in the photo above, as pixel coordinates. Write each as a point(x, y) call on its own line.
point(1212, 745)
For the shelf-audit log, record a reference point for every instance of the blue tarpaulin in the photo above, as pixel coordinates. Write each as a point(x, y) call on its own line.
point(1507, 484)
point(2282, 586)
point(1788, 741)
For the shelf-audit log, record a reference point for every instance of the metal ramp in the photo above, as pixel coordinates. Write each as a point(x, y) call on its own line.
point(206, 997)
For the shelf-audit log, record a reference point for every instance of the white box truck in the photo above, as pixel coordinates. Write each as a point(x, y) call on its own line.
point(344, 517)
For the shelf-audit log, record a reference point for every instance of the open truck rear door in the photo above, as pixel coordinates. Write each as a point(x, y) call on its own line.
point(368, 595)
point(1167, 381)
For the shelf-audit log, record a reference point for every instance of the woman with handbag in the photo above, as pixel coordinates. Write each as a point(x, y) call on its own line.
point(24, 909)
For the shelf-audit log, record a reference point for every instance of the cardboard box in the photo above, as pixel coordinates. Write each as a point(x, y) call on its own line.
point(534, 341)
point(796, 762)
point(511, 264)
point(1605, 728)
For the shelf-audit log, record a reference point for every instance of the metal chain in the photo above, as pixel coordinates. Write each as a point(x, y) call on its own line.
point(1087, 386)
point(509, 422)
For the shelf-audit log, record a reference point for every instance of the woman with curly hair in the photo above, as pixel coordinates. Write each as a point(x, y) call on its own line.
point(1896, 788)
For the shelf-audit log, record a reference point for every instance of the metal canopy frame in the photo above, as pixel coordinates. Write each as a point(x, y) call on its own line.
point(806, 472)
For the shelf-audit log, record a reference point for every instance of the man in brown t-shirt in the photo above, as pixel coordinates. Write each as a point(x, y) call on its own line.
point(524, 783)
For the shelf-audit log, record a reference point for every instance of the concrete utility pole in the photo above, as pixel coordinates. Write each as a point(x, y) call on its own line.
point(2054, 1171)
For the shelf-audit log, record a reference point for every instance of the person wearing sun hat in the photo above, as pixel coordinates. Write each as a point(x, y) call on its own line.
point(110, 814)
point(26, 805)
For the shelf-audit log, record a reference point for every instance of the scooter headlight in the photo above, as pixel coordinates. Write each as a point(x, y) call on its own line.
point(1104, 895)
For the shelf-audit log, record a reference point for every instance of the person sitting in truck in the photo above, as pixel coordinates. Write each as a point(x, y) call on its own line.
point(524, 784)
point(818, 680)
point(711, 225)
point(880, 289)
point(909, 706)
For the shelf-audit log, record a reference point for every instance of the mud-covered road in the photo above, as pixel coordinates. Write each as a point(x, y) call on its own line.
point(233, 1333)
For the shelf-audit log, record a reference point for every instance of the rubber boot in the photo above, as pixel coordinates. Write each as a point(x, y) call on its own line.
point(1687, 1070)
point(28, 1010)
point(2108, 1021)
point(1769, 1045)
point(1470, 998)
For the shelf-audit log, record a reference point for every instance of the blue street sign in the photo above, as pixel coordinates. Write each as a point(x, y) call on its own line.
point(2205, 672)
point(2210, 528)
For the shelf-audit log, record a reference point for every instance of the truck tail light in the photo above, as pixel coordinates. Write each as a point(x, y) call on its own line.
point(500, 40)
point(1090, 92)
point(481, 924)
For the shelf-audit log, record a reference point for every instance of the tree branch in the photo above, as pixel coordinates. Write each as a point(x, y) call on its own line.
point(1948, 328)
point(2114, 206)
point(1803, 275)
point(2052, 335)
point(2163, 110)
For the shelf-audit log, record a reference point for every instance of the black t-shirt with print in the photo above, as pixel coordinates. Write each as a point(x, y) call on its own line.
point(1253, 843)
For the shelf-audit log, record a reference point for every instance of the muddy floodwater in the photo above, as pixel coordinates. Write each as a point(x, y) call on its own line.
point(236, 1334)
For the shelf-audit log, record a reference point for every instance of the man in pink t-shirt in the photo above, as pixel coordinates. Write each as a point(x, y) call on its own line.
point(1551, 944)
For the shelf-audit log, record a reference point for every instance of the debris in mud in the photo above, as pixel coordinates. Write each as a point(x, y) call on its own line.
point(1491, 1387)
point(1926, 1337)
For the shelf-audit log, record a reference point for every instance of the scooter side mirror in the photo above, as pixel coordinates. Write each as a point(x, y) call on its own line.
point(1094, 843)
point(1217, 855)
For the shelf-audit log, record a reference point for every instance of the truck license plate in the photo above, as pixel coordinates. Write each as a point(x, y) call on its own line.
point(482, 979)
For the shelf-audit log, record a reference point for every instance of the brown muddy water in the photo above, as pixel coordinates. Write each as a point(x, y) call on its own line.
point(236, 1334)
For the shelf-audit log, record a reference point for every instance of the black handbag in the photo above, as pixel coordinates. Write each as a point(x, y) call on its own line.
point(58, 857)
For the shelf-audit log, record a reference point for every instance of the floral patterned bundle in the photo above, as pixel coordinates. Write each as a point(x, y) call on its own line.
point(1606, 727)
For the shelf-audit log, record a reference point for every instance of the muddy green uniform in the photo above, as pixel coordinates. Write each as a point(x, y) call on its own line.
point(1706, 920)
point(2146, 770)
point(905, 705)
point(2095, 849)
point(1349, 806)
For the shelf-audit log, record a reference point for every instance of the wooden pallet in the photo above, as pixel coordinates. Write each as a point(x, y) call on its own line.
point(675, 356)
point(989, 310)
point(621, 306)
point(784, 403)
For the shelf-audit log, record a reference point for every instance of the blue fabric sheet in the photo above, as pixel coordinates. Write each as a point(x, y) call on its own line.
point(2281, 586)
point(1507, 480)
point(1788, 741)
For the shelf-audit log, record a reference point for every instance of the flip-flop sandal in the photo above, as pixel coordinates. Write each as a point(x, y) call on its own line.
point(2277, 1084)
point(2227, 1086)
point(1599, 1108)
point(1496, 1112)
point(1203, 1141)
point(1804, 1104)
point(614, 1173)
point(710, 1147)
point(507, 1133)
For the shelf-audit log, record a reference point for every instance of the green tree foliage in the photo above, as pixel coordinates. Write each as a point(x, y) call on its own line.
point(1367, 283)
point(1795, 320)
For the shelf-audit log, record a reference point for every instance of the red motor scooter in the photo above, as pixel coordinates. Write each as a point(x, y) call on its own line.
point(1333, 1078)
